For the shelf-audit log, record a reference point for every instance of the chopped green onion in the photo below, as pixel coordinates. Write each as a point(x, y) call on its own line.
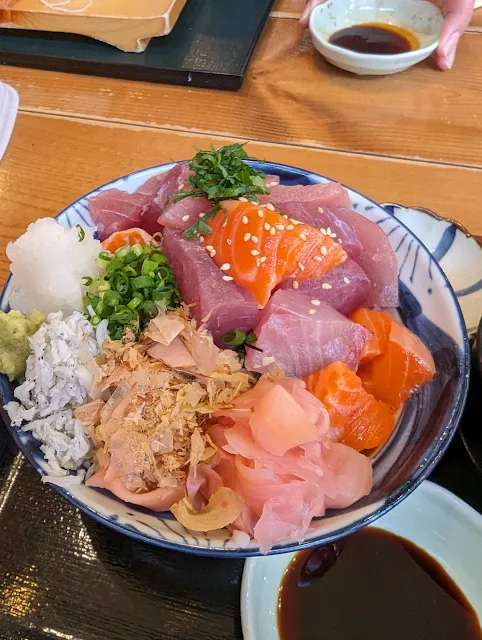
point(137, 249)
point(251, 338)
point(142, 282)
point(148, 266)
point(101, 263)
point(81, 232)
point(123, 251)
point(95, 321)
point(87, 281)
point(234, 338)
point(134, 303)
point(150, 309)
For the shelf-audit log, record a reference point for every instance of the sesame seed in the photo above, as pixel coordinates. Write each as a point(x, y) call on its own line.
point(254, 239)
point(323, 250)
point(262, 260)
point(245, 220)
point(272, 184)
point(225, 223)
point(254, 252)
point(321, 210)
point(343, 258)
point(293, 221)
point(333, 235)
point(258, 263)
point(212, 253)
point(260, 213)
point(303, 236)
point(325, 285)
point(346, 280)
point(290, 227)
point(317, 258)
point(280, 227)
point(328, 231)
point(340, 240)
point(201, 215)
point(209, 247)
point(295, 284)
point(315, 303)
point(301, 266)
point(312, 311)
point(270, 206)
point(272, 231)
point(254, 203)
point(228, 278)
point(247, 236)
point(229, 241)
point(185, 218)
point(285, 216)
point(225, 267)
point(243, 199)
point(324, 232)
point(267, 226)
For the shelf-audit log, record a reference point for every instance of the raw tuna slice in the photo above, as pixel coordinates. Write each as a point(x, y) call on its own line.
point(318, 336)
point(225, 305)
point(377, 259)
point(116, 210)
point(316, 205)
point(157, 189)
point(181, 215)
point(350, 288)
point(331, 195)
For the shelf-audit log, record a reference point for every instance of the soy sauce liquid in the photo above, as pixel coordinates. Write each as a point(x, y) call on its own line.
point(372, 585)
point(375, 38)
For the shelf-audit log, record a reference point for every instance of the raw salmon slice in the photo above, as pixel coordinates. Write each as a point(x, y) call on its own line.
point(404, 366)
point(379, 324)
point(362, 422)
point(122, 238)
point(259, 248)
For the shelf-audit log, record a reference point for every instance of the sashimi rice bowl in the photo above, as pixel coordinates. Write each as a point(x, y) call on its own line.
point(229, 356)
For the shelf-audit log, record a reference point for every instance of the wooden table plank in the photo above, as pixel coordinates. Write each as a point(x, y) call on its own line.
point(79, 155)
point(292, 95)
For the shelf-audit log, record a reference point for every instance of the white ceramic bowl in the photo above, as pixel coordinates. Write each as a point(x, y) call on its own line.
point(432, 517)
point(420, 17)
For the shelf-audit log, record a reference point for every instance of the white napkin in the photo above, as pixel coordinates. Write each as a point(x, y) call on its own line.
point(8, 114)
point(477, 4)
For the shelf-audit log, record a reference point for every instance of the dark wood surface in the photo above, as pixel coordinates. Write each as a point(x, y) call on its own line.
point(63, 575)
point(210, 46)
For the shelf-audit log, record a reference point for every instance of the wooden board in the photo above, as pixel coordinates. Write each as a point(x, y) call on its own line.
point(210, 46)
point(125, 24)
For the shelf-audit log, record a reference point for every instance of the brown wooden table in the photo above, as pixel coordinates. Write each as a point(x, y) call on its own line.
point(414, 138)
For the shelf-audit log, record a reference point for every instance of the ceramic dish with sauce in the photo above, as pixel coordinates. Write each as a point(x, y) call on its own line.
point(415, 575)
point(375, 37)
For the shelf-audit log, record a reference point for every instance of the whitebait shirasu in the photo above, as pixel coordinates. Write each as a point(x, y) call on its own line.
point(59, 376)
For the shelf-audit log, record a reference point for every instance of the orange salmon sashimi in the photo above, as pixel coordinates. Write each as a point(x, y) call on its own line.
point(259, 248)
point(362, 422)
point(404, 366)
point(129, 236)
point(379, 324)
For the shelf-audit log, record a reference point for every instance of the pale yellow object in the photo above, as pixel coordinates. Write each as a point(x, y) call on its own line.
point(126, 24)
point(477, 4)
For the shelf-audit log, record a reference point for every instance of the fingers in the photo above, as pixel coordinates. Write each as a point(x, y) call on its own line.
point(457, 18)
point(305, 16)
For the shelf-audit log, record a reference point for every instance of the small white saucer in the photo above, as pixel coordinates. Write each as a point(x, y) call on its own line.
point(431, 517)
point(420, 17)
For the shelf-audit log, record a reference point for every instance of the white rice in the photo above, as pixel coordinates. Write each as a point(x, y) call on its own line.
point(56, 381)
point(48, 264)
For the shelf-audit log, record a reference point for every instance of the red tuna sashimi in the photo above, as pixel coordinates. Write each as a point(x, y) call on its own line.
point(226, 306)
point(116, 210)
point(183, 214)
point(316, 205)
point(318, 336)
point(349, 284)
point(377, 259)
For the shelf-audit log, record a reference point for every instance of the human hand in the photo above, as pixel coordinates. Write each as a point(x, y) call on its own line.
point(457, 14)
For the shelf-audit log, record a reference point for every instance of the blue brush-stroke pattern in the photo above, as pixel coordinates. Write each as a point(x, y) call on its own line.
point(445, 243)
point(477, 286)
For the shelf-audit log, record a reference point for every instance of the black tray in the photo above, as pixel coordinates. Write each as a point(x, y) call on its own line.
point(65, 576)
point(210, 46)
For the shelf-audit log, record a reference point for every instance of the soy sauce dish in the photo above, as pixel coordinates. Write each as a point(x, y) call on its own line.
point(375, 37)
point(415, 575)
